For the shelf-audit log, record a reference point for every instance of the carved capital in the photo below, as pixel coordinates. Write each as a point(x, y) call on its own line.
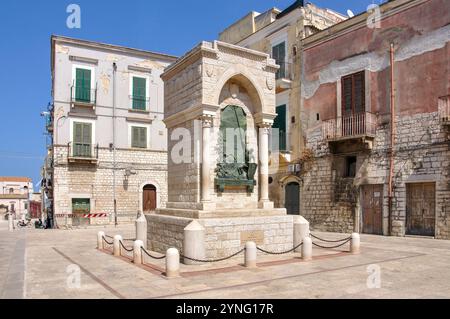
point(207, 121)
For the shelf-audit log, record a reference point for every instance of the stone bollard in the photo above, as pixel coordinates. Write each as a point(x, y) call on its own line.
point(172, 262)
point(355, 243)
point(10, 222)
point(116, 245)
point(137, 251)
point(194, 242)
point(250, 254)
point(141, 229)
point(307, 249)
point(301, 230)
point(100, 236)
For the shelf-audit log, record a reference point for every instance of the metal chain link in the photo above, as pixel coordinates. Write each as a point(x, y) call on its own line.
point(124, 247)
point(329, 241)
point(333, 246)
point(149, 255)
point(108, 236)
point(212, 260)
point(109, 243)
point(281, 252)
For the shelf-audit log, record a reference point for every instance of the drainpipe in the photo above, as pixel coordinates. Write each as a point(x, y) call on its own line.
point(391, 153)
point(114, 142)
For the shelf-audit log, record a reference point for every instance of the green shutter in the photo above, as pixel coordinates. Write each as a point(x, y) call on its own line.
point(280, 124)
point(279, 55)
point(83, 85)
point(82, 139)
point(138, 137)
point(139, 93)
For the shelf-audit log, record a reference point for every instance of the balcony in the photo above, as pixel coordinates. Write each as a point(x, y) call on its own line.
point(444, 110)
point(139, 103)
point(82, 153)
point(49, 123)
point(83, 96)
point(354, 132)
point(284, 76)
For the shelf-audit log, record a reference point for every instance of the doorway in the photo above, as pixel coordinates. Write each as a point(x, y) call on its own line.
point(149, 198)
point(292, 198)
point(420, 209)
point(372, 209)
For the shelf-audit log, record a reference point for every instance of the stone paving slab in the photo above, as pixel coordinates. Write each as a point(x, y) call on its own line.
point(410, 268)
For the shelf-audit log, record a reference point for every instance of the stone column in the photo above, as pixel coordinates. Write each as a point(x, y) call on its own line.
point(206, 130)
point(141, 229)
point(264, 129)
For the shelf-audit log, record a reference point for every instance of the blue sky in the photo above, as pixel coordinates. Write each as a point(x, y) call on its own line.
point(170, 26)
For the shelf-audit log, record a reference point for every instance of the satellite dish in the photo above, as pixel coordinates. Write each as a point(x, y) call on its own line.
point(350, 13)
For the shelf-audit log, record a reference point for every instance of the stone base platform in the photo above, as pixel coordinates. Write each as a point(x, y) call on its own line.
point(226, 232)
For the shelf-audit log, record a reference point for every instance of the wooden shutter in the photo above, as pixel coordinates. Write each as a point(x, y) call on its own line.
point(77, 132)
point(353, 94)
point(139, 137)
point(139, 93)
point(83, 85)
point(280, 124)
point(279, 55)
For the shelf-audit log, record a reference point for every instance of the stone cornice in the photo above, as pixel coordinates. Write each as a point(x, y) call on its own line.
point(191, 113)
point(387, 9)
point(212, 50)
point(264, 119)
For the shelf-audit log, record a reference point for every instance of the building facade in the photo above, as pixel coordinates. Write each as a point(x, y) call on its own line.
point(15, 194)
point(375, 119)
point(107, 141)
point(279, 34)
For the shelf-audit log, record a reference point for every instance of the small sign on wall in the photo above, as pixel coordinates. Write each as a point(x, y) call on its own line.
point(256, 236)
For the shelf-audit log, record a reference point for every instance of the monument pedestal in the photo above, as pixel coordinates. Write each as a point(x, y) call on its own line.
point(226, 231)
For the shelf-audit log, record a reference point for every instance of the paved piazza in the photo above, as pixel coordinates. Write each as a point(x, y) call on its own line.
point(42, 263)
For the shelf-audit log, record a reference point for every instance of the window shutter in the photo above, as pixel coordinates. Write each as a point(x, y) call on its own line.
point(280, 124)
point(77, 132)
point(359, 94)
point(139, 93)
point(87, 133)
point(347, 84)
point(143, 137)
point(134, 136)
point(83, 85)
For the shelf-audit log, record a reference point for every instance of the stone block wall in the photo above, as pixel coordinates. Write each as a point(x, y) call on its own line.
point(95, 181)
point(222, 235)
point(421, 155)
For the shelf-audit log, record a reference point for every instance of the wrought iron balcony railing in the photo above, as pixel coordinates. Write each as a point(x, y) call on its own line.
point(83, 95)
point(348, 126)
point(284, 72)
point(139, 103)
point(82, 151)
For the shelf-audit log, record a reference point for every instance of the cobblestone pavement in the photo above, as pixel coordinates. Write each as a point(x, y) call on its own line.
point(42, 264)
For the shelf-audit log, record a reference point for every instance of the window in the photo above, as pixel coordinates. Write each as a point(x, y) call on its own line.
point(279, 124)
point(25, 205)
point(139, 93)
point(353, 94)
point(81, 205)
point(82, 85)
point(138, 137)
point(279, 54)
point(82, 139)
point(350, 166)
point(11, 190)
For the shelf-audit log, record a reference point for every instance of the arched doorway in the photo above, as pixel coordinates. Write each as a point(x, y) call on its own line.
point(292, 198)
point(149, 198)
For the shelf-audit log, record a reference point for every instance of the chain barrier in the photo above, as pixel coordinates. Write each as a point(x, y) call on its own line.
point(109, 243)
point(124, 239)
point(279, 252)
point(124, 247)
point(329, 241)
point(213, 260)
point(331, 247)
point(149, 255)
point(107, 236)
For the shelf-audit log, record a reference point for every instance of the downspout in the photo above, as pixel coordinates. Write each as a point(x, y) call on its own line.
point(392, 146)
point(114, 143)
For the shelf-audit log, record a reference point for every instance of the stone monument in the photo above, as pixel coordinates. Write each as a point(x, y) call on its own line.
point(219, 180)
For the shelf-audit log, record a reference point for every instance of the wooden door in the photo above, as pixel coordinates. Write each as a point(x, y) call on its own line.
point(372, 209)
point(292, 198)
point(420, 209)
point(149, 198)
